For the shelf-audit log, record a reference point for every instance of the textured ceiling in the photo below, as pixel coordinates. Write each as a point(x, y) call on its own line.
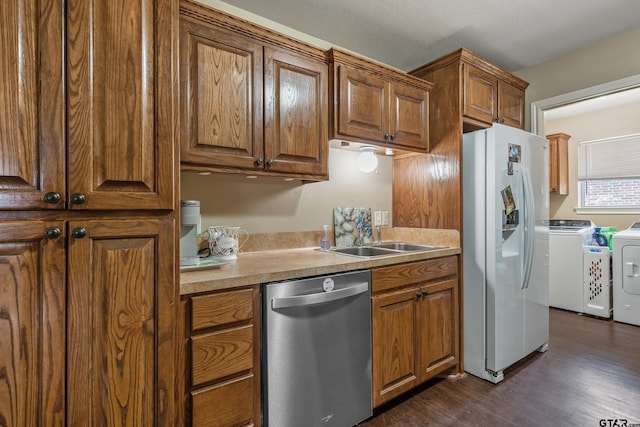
point(512, 34)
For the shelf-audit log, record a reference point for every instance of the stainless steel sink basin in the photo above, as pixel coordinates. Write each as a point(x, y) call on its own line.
point(364, 251)
point(407, 247)
point(384, 249)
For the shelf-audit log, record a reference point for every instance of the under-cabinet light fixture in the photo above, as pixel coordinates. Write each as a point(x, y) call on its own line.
point(367, 161)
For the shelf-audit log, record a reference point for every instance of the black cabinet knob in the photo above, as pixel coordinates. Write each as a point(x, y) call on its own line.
point(52, 197)
point(52, 233)
point(78, 232)
point(270, 162)
point(260, 161)
point(78, 198)
point(386, 136)
point(392, 137)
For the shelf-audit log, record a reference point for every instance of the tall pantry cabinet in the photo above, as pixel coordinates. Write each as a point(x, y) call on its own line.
point(87, 234)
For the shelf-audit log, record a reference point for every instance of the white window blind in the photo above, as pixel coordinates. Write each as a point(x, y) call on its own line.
point(611, 158)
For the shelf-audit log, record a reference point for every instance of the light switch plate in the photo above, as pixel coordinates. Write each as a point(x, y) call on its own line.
point(385, 217)
point(377, 218)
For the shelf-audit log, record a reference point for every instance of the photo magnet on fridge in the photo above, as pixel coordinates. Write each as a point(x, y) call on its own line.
point(514, 153)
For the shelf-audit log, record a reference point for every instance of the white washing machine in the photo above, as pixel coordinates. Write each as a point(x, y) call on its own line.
point(566, 239)
point(626, 275)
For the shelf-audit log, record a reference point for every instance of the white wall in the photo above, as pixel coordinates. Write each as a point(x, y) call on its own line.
point(270, 205)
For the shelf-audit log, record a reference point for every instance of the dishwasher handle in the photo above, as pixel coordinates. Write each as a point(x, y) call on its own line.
point(319, 298)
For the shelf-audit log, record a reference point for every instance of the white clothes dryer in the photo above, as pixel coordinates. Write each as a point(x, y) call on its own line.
point(626, 275)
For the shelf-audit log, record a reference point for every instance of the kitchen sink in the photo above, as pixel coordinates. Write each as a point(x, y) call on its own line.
point(407, 247)
point(384, 249)
point(364, 251)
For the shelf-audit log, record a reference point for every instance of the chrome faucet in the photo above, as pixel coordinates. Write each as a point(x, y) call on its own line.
point(379, 233)
point(360, 238)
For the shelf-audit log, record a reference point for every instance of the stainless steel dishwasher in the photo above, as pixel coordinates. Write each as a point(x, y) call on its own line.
point(316, 361)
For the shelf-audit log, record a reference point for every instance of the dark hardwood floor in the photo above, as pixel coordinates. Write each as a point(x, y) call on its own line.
point(590, 373)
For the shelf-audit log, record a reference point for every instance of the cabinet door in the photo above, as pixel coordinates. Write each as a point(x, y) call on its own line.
point(394, 345)
point(120, 88)
point(409, 124)
point(120, 346)
point(479, 97)
point(559, 163)
point(221, 97)
point(296, 113)
point(438, 326)
point(363, 109)
point(32, 324)
point(510, 105)
point(32, 109)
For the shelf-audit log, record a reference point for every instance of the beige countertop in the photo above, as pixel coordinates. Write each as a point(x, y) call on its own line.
point(253, 268)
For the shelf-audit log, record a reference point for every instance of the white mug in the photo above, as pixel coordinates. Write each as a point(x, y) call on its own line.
point(225, 242)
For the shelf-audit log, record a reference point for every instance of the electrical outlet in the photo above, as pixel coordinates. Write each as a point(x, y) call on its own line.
point(377, 218)
point(385, 217)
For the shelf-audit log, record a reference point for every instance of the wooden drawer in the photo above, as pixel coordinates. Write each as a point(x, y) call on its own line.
point(219, 354)
point(222, 308)
point(396, 276)
point(226, 404)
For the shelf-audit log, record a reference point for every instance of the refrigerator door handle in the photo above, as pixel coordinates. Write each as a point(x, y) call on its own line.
point(530, 222)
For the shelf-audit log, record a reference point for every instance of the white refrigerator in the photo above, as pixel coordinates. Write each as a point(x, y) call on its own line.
point(505, 174)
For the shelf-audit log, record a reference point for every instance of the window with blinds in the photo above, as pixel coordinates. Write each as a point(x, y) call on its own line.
point(609, 172)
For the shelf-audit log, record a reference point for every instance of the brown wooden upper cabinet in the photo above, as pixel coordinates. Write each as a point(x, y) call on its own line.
point(376, 104)
point(489, 94)
point(231, 71)
point(93, 103)
point(559, 163)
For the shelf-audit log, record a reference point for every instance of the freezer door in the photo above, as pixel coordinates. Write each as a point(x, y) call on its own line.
point(505, 246)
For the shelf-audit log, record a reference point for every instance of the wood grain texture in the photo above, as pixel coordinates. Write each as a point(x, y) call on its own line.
point(221, 97)
point(399, 275)
point(222, 359)
point(32, 325)
point(559, 163)
point(31, 104)
point(378, 104)
point(415, 325)
point(480, 94)
point(221, 308)
point(237, 410)
point(120, 345)
point(120, 94)
point(409, 116)
point(438, 314)
point(590, 372)
point(250, 105)
point(394, 362)
point(511, 105)
point(220, 354)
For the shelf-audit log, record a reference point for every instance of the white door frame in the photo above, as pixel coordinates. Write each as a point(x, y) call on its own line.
point(538, 107)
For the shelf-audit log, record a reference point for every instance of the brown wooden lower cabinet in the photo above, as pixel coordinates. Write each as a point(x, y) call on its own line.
point(87, 322)
point(415, 324)
point(222, 359)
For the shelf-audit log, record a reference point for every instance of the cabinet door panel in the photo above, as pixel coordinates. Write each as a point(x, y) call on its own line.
point(120, 336)
point(32, 141)
point(32, 325)
point(410, 116)
point(221, 103)
point(479, 96)
point(296, 113)
point(363, 109)
point(120, 102)
point(393, 360)
point(438, 325)
point(510, 105)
